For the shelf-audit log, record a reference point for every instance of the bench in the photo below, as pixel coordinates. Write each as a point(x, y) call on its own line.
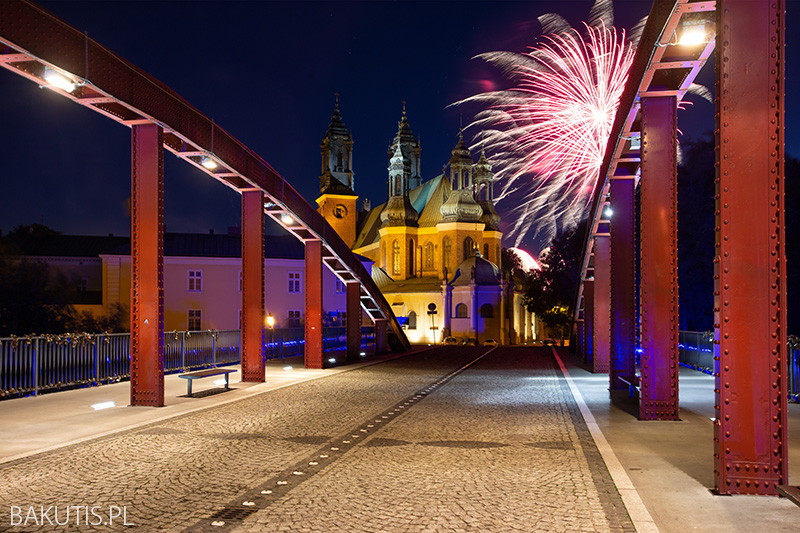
point(633, 385)
point(191, 376)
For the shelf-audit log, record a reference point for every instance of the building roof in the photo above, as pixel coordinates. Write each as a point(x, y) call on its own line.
point(175, 244)
point(483, 271)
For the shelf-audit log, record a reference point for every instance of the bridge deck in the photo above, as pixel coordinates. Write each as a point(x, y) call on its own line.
point(499, 446)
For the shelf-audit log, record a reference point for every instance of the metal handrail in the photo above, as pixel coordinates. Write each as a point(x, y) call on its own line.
point(38, 364)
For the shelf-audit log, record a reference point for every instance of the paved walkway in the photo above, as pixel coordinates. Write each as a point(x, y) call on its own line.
point(447, 439)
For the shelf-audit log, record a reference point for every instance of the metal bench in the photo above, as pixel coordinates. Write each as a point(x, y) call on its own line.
point(633, 385)
point(191, 376)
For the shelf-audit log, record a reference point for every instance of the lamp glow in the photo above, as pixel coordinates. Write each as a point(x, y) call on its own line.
point(287, 368)
point(286, 219)
point(608, 212)
point(56, 79)
point(331, 360)
point(208, 163)
point(270, 321)
point(219, 382)
point(363, 353)
point(103, 405)
point(694, 32)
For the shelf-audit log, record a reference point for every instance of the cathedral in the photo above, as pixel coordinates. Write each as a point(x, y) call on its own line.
point(435, 245)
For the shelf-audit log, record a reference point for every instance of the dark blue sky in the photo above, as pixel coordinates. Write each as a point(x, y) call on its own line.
point(267, 73)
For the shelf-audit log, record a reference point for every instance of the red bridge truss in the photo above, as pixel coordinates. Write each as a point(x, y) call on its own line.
point(39, 46)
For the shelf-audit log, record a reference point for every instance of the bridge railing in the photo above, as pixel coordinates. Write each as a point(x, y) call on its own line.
point(696, 350)
point(37, 364)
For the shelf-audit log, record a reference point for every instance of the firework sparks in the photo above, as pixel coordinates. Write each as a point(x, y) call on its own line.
point(548, 134)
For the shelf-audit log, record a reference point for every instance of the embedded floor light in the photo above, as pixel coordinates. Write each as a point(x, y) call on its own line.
point(103, 405)
point(208, 163)
point(363, 353)
point(286, 219)
point(287, 368)
point(331, 360)
point(56, 79)
point(220, 382)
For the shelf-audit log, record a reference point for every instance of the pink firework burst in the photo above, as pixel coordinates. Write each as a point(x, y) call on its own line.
point(548, 134)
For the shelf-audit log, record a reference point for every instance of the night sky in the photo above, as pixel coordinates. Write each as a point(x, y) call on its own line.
point(267, 72)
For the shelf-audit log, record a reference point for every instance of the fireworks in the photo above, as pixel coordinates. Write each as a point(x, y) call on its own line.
point(548, 134)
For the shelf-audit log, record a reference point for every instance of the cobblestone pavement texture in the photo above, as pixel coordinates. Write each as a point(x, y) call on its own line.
point(405, 445)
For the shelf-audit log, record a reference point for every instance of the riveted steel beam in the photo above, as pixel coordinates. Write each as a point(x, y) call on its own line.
point(623, 313)
point(147, 266)
point(313, 318)
point(750, 265)
point(658, 398)
point(252, 285)
point(601, 361)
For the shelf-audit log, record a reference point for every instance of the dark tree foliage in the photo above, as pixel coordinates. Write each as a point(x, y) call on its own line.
point(35, 298)
point(696, 235)
point(551, 291)
point(792, 200)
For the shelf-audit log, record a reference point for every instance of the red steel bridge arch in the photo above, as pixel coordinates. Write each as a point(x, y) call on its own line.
point(35, 43)
point(750, 438)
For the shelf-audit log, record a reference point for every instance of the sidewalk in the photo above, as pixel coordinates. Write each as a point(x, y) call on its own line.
point(37, 424)
point(671, 464)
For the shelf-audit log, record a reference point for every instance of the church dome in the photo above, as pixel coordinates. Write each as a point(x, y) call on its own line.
point(476, 267)
point(461, 207)
point(490, 216)
point(399, 212)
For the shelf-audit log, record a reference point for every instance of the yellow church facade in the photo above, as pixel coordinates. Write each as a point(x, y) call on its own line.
point(434, 246)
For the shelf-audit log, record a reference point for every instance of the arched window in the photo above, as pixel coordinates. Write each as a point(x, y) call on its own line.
point(469, 248)
point(486, 250)
point(396, 258)
point(411, 257)
point(412, 320)
point(487, 311)
point(446, 246)
point(429, 256)
point(461, 311)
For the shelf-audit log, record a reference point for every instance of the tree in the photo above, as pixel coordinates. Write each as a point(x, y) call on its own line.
point(551, 291)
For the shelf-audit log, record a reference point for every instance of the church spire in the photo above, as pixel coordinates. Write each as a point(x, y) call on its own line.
point(337, 156)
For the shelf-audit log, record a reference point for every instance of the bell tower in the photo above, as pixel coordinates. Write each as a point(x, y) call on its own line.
point(337, 201)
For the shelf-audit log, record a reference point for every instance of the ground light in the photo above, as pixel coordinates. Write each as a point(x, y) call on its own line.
point(103, 405)
point(286, 219)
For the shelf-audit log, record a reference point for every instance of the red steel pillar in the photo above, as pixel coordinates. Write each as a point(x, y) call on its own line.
point(313, 320)
point(750, 439)
point(147, 265)
point(602, 303)
point(353, 320)
point(252, 285)
point(658, 399)
point(588, 320)
point(380, 335)
point(623, 311)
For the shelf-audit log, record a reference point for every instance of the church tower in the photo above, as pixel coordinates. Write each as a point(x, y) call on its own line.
point(411, 149)
point(399, 228)
point(461, 228)
point(484, 193)
point(337, 201)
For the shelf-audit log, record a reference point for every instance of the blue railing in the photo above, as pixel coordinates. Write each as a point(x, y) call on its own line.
point(37, 364)
point(696, 350)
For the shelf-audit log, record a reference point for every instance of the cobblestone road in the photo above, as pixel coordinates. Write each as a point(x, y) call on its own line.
point(419, 443)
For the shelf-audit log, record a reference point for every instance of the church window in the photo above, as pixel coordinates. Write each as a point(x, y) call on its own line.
point(487, 311)
point(486, 250)
point(396, 258)
point(411, 257)
point(461, 311)
point(446, 252)
point(469, 247)
point(429, 256)
point(412, 320)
